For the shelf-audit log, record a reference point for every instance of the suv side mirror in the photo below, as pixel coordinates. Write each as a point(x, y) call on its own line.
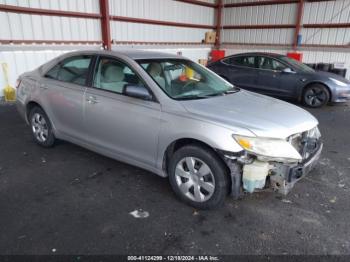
point(288, 71)
point(137, 91)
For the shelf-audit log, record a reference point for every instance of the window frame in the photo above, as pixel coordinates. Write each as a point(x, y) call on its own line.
point(271, 70)
point(241, 55)
point(60, 62)
point(93, 72)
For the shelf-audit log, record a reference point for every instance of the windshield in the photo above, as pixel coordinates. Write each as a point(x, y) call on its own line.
point(300, 66)
point(183, 79)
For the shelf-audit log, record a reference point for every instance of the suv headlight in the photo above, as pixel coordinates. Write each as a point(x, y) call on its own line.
point(268, 147)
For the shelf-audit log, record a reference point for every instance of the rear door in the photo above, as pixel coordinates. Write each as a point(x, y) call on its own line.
point(62, 94)
point(241, 71)
point(121, 126)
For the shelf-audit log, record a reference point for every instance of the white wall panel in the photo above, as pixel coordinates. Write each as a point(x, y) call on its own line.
point(165, 10)
point(258, 15)
point(88, 6)
point(326, 13)
point(38, 27)
point(253, 36)
point(123, 31)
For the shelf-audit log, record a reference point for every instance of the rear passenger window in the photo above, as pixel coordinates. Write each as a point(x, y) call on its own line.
point(247, 61)
point(72, 70)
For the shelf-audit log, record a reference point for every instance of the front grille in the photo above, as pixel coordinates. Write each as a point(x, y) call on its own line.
point(306, 143)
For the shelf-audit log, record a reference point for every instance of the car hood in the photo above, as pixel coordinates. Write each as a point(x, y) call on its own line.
point(327, 75)
point(262, 115)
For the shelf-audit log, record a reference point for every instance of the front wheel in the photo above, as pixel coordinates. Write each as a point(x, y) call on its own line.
point(198, 177)
point(316, 95)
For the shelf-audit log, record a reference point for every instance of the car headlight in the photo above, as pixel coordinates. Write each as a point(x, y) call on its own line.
point(268, 147)
point(337, 82)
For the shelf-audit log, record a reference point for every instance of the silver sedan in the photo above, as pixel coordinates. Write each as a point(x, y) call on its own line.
point(173, 117)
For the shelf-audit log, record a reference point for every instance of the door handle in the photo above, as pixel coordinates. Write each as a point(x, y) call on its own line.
point(43, 86)
point(92, 100)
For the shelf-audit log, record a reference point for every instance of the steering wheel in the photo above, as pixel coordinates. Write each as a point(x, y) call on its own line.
point(187, 85)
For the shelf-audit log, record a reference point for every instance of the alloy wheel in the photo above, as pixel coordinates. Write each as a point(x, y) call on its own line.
point(315, 96)
point(40, 127)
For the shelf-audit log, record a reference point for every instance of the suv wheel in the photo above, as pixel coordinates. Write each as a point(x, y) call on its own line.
point(316, 95)
point(198, 177)
point(41, 127)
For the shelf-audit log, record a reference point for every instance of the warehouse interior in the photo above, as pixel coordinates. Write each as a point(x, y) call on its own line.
point(72, 204)
point(35, 31)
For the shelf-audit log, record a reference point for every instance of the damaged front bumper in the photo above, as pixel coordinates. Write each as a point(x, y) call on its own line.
point(283, 177)
point(249, 173)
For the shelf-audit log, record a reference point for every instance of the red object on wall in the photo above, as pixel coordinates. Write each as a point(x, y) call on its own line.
point(217, 55)
point(296, 56)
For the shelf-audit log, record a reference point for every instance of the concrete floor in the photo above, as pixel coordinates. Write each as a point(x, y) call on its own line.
point(68, 200)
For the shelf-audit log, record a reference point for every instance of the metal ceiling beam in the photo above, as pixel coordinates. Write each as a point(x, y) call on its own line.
point(48, 12)
point(261, 3)
point(272, 26)
point(271, 2)
point(158, 22)
point(196, 2)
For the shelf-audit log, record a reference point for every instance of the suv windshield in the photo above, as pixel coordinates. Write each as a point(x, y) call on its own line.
point(300, 66)
point(183, 79)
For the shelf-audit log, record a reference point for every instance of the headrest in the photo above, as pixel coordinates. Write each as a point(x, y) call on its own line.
point(113, 73)
point(154, 69)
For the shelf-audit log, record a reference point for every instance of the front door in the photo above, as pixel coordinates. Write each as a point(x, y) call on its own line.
point(271, 76)
point(122, 126)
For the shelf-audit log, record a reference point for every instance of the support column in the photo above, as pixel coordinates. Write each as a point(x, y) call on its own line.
point(300, 11)
point(218, 23)
point(105, 25)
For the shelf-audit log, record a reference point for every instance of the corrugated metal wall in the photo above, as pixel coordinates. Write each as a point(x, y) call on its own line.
point(163, 10)
point(324, 13)
point(257, 15)
point(39, 27)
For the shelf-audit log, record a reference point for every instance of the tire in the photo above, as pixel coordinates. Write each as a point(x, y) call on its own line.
point(316, 95)
point(41, 127)
point(198, 177)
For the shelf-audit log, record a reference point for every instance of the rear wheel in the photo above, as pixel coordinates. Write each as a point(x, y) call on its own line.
point(41, 127)
point(198, 177)
point(316, 95)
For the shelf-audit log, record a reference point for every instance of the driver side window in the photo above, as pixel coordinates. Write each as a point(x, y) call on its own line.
point(113, 75)
point(268, 63)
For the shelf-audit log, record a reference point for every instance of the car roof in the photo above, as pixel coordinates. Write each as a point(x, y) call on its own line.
point(260, 53)
point(133, 54)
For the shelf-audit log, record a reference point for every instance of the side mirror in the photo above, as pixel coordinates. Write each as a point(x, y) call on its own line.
point(137, 91)
point(288, 71)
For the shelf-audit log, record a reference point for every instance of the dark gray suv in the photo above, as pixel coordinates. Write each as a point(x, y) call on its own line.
point(280, 76)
